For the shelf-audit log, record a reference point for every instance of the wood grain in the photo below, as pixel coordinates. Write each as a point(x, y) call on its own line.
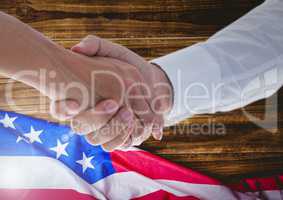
point(153, 29)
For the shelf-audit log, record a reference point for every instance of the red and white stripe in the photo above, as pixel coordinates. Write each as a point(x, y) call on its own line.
point(140, 176)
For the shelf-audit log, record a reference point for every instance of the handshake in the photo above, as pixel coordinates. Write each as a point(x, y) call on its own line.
point(117, 99)
point(111, 95)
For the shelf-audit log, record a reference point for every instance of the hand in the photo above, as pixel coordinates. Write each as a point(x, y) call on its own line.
point(160, 100)
point(76, 84)
point(114, 79)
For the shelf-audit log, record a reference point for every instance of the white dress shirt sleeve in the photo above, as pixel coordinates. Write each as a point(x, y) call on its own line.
point(238, 65)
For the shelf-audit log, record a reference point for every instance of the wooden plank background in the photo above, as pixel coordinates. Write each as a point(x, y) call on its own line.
point(152, 29)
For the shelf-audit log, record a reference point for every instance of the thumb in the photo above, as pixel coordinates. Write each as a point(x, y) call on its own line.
point(94, 118)
point(89, 46)
point(95, 46)
point(64, 109)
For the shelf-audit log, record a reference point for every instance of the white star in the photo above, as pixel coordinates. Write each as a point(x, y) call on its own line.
point(8, 121)
point(60, 149)
point(33, 135)
point(20, 138)
point(86, 162)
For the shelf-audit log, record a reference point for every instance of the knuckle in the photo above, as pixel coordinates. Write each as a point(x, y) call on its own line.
point(89, 37)
point(81, 127)
point(90, 138)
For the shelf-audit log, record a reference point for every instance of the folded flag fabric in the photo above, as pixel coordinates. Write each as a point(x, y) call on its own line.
point(41, 160)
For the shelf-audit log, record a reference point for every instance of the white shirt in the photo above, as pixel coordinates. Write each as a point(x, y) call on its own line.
point(238, 65)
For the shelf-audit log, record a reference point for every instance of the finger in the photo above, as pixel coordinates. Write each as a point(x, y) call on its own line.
point(157, 128)
point(152, 124)
point(94, 118)
point(130, 140)
point(159, 108)
point(138, 136)
point(141, 133)
point(136, 99)
point(120, 140)
point(64, 109)
point(128, 143)
point(114, 128)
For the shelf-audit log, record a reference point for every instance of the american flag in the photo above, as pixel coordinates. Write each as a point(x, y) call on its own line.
point(41, 160)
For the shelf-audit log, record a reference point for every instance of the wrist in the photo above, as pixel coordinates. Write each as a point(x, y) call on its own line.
point(50, 70)
point(61, 68)
point(163, 88)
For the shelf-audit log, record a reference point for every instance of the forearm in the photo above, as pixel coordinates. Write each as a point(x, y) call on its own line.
point(232, 69)
point(24, 49)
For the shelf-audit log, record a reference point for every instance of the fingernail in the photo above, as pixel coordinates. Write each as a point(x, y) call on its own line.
point(72, 107)
point(80, 128)
point(81, 44)
point(159, 134)
point(78, 47)
point(110, 106)
point(126, 116)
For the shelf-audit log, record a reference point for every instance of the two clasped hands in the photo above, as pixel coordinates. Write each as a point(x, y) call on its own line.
point(110, 94)
point(117, 99)
point(130, 94)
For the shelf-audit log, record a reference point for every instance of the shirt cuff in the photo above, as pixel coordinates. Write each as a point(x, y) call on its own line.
point(192, 72)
